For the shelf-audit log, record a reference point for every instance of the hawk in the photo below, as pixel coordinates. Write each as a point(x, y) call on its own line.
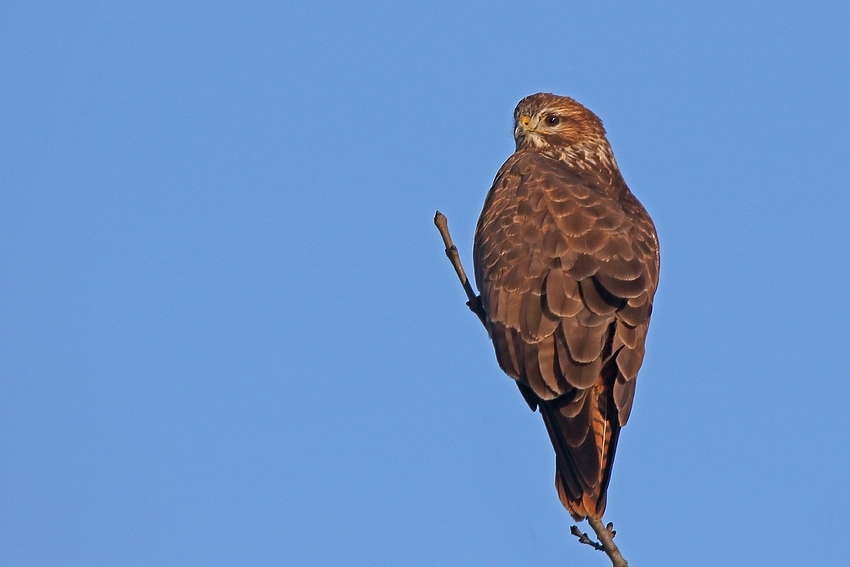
point(567, 261)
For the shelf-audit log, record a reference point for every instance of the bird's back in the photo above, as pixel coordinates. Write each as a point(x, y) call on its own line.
point(567, 262)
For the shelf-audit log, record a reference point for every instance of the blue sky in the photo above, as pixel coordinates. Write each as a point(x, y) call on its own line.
point(229, 336)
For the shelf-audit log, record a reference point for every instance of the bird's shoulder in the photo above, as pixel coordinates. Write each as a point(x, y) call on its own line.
point(540, 208)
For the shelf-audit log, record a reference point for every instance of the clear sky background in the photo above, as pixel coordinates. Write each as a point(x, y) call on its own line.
point(229, 336)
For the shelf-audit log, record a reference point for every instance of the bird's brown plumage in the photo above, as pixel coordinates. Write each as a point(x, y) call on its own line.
point(567, 262)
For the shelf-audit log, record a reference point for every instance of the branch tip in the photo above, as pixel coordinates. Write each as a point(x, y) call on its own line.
point(473, 300)
point(585, 539)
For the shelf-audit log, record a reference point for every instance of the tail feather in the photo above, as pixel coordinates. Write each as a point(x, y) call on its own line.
point(585, 442)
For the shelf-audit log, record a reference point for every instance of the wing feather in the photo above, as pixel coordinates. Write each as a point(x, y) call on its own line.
point(597, 299)
point(624, 395)
point(583, 267)
point(550, 369)
point(562, 295)
point(578, 375)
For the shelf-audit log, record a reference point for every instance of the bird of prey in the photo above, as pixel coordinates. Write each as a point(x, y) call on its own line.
point(566, 261)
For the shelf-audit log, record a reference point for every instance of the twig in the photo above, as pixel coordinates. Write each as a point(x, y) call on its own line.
point(604, 533)
point(474, 303)
point(585, 539)
point(606, 537)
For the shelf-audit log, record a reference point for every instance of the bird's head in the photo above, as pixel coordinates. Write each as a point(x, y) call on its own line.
point(546, 120)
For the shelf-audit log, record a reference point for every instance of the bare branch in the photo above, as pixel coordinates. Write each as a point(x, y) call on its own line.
point(474, 303)
point(606, 537)
point(585, 539)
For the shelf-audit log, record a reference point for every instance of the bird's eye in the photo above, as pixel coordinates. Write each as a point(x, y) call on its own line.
point(553, 120)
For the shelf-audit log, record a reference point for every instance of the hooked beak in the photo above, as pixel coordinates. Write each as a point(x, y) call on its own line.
point(524, 128)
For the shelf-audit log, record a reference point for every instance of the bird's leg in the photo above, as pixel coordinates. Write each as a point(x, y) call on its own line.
point(474, 301)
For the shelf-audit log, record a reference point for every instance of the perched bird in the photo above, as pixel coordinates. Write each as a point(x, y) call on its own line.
point(566, 261)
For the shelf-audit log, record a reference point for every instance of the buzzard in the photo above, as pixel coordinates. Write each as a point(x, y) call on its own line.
point(566, 261)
